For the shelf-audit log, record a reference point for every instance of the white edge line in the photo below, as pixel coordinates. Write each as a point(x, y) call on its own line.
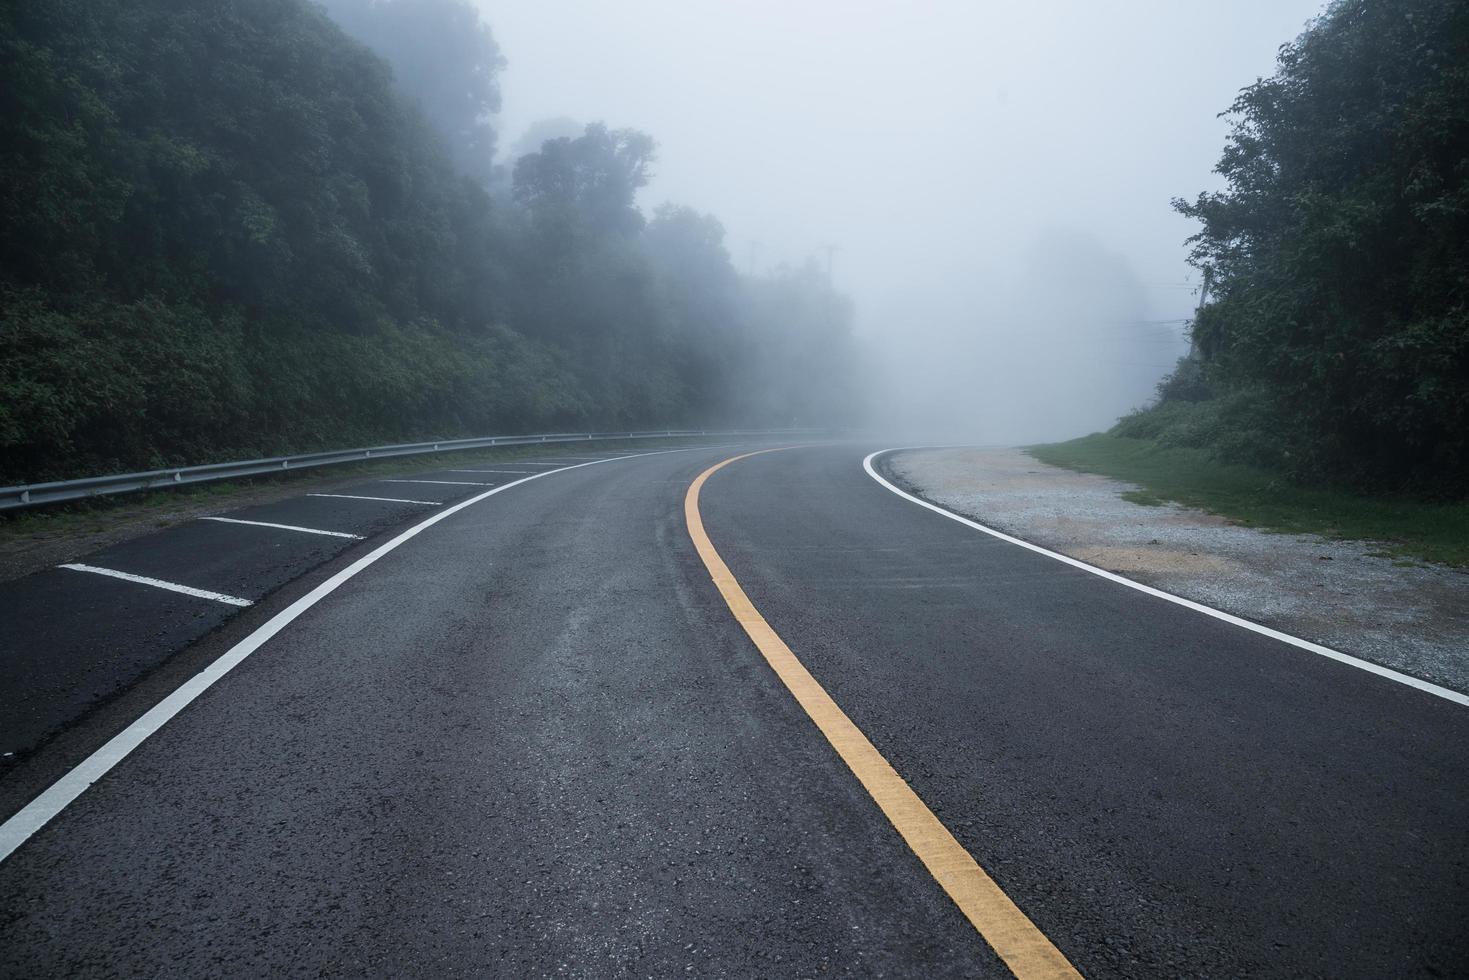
point(159, 583)
point(284, 527)
point(386, 500)
point(1295, 641)
point(55, 798)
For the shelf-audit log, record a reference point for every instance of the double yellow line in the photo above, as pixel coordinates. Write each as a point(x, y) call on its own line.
point(1017, 941)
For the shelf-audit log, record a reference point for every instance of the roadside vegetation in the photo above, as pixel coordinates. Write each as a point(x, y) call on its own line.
point(1405, 527)
point(1333, 348)
point(1328, 386)
point(233, 230)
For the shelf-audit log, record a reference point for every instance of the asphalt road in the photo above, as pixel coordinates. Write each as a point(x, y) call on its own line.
point(533, 740)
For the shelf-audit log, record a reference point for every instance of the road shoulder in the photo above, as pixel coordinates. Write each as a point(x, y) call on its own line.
point(1340, 594)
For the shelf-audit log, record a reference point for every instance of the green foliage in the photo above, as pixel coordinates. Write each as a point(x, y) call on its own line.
point(114, 386)
point(91, 380)
point(444, 59)
point(230, 230)
point(1339, 254)
point(584, 188)
point(1185, 383)
point(1237, 426)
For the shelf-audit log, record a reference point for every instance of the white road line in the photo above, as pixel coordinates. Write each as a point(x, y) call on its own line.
point(284, 527)
point(1294, 641)
point(55, 798)
point(158, 583)
point(446, 483)
point(386, 500)
point(489, 471)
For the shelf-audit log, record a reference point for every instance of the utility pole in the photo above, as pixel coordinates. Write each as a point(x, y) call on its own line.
point(830, 250)
point(1193, 343)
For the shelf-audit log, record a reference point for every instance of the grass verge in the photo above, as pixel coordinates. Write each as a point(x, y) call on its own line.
point(1404, 527)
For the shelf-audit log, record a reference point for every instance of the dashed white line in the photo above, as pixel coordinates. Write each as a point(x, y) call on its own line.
point(158, 583)
point(447, 483)
point(58, 796)
point(1295, 641)
point(490, 471)
point(386, 500)
point(284, 527)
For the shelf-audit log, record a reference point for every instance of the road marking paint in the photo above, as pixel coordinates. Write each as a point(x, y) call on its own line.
point(489, 471)
point(1009, 932)
point(284, 527)
point(386, 500)
point(1295, 641)
point(158, 583)
point(445, 483)
point(58, 796)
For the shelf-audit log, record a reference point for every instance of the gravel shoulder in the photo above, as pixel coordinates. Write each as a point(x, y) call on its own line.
point(1412, 617)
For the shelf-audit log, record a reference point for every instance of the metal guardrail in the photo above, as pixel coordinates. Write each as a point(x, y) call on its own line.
point(35, 494)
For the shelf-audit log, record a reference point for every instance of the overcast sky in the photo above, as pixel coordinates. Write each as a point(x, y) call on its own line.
point(971, 161)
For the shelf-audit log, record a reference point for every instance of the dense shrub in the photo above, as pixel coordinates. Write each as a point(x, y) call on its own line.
point(1338, 255)
point(228, 230)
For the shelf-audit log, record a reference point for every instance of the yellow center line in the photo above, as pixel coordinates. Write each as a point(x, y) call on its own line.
point(1017, 941)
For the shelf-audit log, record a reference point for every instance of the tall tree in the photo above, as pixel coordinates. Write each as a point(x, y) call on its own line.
point(1339, 253)
point(587, 185)
point(701, 304)
point(445, 59)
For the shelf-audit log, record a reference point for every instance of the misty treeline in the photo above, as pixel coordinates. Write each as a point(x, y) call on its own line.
point(233, 229)
point(1335, 343)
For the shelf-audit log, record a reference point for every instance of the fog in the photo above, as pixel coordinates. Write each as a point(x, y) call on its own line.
point(990, 182)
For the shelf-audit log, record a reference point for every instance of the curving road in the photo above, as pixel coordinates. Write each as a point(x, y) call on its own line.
point(532, 739)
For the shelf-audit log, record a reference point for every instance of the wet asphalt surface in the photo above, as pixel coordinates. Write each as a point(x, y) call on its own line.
point(72, 640)
point(532, 741)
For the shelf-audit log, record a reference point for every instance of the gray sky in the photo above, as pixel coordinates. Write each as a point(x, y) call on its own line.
point(996, 176)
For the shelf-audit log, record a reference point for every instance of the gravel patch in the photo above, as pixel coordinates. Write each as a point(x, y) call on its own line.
point(1413, 617)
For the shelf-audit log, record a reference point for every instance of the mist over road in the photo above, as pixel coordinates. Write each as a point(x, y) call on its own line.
point(532, 739)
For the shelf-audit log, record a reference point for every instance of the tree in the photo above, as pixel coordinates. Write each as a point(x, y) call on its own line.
point(701, 301)
point(586, 185)
point(1339, 253)
point(445, 60)
point(231, 230)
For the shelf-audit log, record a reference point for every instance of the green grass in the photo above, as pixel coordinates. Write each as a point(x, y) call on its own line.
point(1403, 527)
